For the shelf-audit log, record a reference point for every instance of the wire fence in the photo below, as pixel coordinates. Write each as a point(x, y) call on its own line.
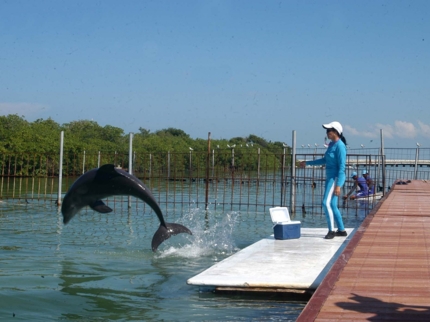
point(224, 179)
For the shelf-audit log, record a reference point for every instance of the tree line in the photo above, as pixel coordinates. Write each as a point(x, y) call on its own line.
point(41, 140)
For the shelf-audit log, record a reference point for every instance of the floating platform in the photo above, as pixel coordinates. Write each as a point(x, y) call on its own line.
point(271, 265)
point(375, 196)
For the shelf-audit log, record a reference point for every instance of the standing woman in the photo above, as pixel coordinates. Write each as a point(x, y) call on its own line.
point(335, 162)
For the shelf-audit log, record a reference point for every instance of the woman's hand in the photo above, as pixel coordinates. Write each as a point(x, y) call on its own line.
point(337, 191)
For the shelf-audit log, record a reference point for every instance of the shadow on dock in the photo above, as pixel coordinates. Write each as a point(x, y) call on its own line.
point(385, 311)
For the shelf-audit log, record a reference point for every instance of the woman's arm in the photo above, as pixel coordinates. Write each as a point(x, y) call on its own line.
point(341, 159)
point(316, 162)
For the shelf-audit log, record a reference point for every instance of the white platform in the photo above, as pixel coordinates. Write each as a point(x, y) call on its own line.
point(375, 196)
point(299, 264)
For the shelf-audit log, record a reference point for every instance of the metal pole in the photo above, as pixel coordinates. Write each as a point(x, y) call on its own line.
point(60, 171)
point(83, 164)
point(283, 178)
point(208, 158)
point(258, 166)
point(190, 164)
point(383, 162)
point(293, 175)
point(150, 165)
point(130, 154)
point(130, 162)
point(168, 164)
point(213, 161)
point(417, 153)
point(98, 160)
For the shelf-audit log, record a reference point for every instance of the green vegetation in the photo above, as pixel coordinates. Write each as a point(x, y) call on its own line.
point(41, 141)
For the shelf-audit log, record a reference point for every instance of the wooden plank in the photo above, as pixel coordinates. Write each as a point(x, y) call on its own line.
point(384, 273)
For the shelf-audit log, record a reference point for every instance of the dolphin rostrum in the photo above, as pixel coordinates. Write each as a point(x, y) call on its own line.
point(96, 184)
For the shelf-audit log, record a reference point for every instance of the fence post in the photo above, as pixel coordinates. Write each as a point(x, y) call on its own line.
point(293, 175)
point(258, 166)
point(83, 164)
point(213, 162)
point(383, 162)
point(190, 170)
point(150, 166)
point(208, 158)
point(168, 164)
point(283, 178)
point(417, 153)
point(60, 171)
point(130, 162)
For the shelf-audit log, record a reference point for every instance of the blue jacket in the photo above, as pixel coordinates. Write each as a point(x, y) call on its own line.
point(362, 184)
point(370, 184)
point(335, 162)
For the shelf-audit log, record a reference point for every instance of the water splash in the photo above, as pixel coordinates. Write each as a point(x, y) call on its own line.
point(212, 235)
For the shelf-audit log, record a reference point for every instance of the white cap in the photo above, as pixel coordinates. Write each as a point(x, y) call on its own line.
point(334, 125)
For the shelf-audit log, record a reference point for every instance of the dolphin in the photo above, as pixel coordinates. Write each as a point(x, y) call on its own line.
point(106, 181)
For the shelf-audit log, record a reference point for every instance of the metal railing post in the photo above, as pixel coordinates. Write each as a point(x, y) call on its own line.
point(130, 162)
point(283, 178)
point(258, 165)
point(208, 157)
point(383, 161)
point(168, 164)
point(60, 171)
point(293, 175)
point(83, 163)
point(417, 153)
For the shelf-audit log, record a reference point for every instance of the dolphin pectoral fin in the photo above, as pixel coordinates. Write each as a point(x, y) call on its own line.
point(99, 206)
point(164, 233)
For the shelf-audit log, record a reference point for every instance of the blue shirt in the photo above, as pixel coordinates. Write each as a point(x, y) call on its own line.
point(370, 184)
point(362, 184)
point(335, 162)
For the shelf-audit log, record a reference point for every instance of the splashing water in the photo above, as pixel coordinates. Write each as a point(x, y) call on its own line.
point(212, 235)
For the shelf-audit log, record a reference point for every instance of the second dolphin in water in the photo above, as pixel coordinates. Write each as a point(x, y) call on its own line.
point(106, 181)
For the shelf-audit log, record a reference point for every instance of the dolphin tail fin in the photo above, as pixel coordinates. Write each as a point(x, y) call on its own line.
point(164, 233)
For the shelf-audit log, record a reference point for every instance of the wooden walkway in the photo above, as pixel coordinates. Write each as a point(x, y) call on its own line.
point(384, 272)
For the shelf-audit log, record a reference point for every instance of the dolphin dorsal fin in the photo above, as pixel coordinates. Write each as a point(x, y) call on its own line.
point(106, 172)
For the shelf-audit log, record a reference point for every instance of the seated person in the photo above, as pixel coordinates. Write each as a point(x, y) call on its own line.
point(369, 182)
point(359, 183)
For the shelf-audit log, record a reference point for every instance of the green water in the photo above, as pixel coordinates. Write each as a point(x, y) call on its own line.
point(101, 268)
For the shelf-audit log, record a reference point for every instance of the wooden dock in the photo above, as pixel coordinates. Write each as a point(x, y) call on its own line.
point(383, 274)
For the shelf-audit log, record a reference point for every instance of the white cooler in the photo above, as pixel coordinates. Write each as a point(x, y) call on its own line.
point(283, 227)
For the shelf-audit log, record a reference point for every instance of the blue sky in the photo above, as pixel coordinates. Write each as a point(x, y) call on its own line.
point(232, 68)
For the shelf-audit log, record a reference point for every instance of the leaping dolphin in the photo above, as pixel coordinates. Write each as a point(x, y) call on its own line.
point(106, 181)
